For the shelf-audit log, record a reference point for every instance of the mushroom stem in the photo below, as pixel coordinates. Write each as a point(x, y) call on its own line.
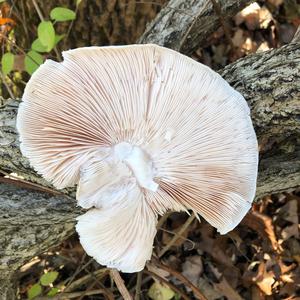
point(139, 162)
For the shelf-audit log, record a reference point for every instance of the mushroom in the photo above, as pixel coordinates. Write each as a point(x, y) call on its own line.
point(142, 130)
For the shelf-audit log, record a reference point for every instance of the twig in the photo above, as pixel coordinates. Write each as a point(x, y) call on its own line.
point(144, 281)
point(78, 270)
point(30, 185)
point(138, 285)
point(169, 284)
point(182, 278)
point(85, 279)
point(120, 284)
point(20, 16)
point(24, 20)
point(39, 12)
point(177, 236)
point(296, 38)
point(181, 237)
point(107, 293)
point(97, 281)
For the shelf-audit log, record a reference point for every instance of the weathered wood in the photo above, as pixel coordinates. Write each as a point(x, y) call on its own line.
point(185, 25)
point(270, 82)
point(34, 219)
point(30, 222)
point(7, 285)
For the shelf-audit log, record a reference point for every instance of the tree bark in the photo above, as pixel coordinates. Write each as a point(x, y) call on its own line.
point(185, 25)
point(7, 285)
point(30, 222)
point(270, 82)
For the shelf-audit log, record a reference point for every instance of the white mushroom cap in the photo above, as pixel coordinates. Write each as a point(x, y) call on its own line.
point(142, 129)
point(120, 236)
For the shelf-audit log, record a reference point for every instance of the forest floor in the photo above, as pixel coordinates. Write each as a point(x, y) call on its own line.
point(258, 260)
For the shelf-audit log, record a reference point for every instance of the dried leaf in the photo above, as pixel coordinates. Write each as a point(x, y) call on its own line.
point(266, 284)
point(286, 32)
point(223, 286)
point(263, 47)
point(290, 231)
point(249, 46)
point(254, 16)
point(249, 15)
point(226, 290)
point(192, 268)
point(263, 225)
point(265, 17)
point(289, 211)
point(158, 271)
point(256, 293)
point(287, 278)
point(238, 38)
point(275, 2)
point(265, 280)
point(208, 290)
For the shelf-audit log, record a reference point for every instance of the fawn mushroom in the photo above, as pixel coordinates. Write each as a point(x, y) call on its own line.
point(141, 129)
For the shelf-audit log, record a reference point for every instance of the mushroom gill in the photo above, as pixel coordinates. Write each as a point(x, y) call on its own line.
point(141, 129)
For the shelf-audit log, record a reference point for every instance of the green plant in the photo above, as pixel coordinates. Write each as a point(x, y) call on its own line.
point(46, 280)
point(46, 41)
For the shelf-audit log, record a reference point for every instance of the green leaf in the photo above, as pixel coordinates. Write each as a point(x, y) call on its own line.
point(7, 62)
point(34, 291)
point(38, 46)
point(177, 297)
point(60, 14)
point(48, 278)
point(158, 291)
point(53, 292)
point(58, 38)
point(46, 34)
point(32, 61)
